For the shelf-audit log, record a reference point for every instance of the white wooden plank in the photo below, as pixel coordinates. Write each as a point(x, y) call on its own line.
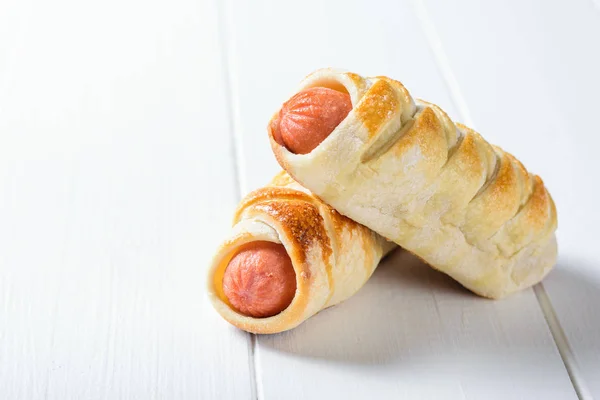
point(115, 187)
point(413, 333)
point(410, 333)
point(528, 71)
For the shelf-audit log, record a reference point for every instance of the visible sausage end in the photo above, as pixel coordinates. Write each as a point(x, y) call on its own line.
point(260, 280)
point(309, 117)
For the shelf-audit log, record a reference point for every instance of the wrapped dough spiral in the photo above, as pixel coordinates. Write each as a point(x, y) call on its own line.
point(403, 168)
point(332, 256)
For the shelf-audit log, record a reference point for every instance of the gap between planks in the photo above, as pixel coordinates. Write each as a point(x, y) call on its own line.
point(443, 64)
point(236, 154)
point(562, 343)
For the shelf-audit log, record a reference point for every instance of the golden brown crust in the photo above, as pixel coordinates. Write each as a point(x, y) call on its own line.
point(500, 199)
point(357, 80)
point(267, 194)
point(450, 130)
point(380, 102)
point(425, 133)
point(539, 210)
point(303, 223)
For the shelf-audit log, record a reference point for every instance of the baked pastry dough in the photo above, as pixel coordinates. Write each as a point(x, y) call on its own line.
point(332, 255)
point(402, 168)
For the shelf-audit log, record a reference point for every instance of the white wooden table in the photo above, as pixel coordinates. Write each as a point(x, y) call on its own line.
point(130, 129)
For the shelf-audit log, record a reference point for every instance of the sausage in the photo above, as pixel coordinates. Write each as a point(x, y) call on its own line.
point(306, 119)
point(260, 281)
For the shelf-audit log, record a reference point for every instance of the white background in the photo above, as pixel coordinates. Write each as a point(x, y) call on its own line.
point(130, 130)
